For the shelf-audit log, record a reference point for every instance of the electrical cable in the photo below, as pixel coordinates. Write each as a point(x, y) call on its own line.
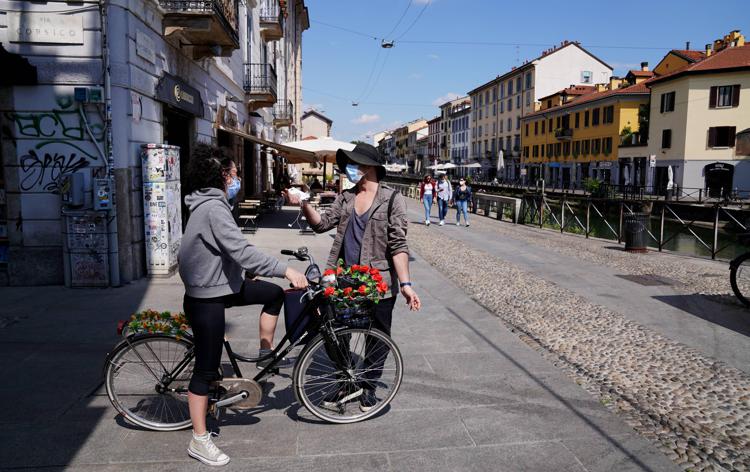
point(408, 5)
point(415, 20)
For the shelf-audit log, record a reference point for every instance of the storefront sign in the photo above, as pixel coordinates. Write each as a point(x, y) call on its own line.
point(652, 160)
point(144, 47)
point(179, 94)
point(41, 28)
point(605, 165)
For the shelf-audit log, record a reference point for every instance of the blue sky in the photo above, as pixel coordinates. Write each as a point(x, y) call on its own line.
point(399, 84)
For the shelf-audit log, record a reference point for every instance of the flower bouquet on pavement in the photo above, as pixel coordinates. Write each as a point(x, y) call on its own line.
point(354, 291)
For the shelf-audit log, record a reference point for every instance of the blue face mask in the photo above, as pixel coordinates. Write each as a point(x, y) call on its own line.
point(352, 173)
point(233, 189)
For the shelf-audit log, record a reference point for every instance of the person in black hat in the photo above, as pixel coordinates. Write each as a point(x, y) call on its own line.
point(371, 224)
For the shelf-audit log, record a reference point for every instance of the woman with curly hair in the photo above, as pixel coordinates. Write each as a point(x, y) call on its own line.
point(213, 258)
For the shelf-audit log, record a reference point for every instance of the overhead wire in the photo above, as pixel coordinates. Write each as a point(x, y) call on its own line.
point(427, 4)
point(408, 5)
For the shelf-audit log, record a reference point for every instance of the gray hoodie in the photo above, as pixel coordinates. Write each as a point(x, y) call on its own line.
point(214, 253)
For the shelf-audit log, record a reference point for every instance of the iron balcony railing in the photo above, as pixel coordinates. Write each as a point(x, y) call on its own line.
point(270, 12)
point(564, 133)
point(260, 79)
point(225, 10)
point(283, 111)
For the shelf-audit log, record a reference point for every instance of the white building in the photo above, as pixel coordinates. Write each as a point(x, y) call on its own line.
point(460, 118)
point(315, 125)
point(179, 73)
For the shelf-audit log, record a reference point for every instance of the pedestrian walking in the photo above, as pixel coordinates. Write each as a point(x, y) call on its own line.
point(427, 192)
point(371, 223)
point(213, 258)
point(444, 196)
point(462, 197)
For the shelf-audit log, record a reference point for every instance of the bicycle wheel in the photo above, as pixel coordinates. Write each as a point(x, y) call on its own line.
point(740, 278)
point(134, 377)
point(370, 380)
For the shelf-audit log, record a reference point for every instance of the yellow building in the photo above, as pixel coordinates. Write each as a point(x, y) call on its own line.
point(570, 139)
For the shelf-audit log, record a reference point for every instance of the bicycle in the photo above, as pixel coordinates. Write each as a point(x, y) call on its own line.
point(739, 273)
point(146, 375)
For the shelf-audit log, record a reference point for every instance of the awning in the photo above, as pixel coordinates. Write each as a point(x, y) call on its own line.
point(292, 155)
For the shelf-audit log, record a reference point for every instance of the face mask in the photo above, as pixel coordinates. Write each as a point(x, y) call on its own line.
point(352, 173)
point(233, 189)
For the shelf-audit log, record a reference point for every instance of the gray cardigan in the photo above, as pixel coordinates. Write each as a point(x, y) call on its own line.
point(214, 253)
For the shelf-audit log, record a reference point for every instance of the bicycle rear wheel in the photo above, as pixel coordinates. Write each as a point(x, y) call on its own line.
point(135, 377)
point(369, 380)
point(740, 278)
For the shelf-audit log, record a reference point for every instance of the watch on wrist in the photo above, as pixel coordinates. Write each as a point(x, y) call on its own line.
point(404, 284)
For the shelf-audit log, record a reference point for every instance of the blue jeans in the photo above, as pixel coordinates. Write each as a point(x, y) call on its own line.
point(427, 206)
point(462, 206)
point(442, 208)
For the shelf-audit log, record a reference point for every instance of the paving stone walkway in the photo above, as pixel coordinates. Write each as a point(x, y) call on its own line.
point(475, 396)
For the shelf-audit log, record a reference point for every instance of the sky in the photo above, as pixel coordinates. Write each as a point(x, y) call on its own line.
point(342, 63)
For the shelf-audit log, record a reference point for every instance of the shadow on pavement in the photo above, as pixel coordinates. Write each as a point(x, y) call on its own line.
point(720, 310)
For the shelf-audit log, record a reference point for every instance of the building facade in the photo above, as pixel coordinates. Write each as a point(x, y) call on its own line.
point(315, 125)
point(499, 105)
point(129, 73)
point(460, 128)
point(433, 141)
point(416, 137)
point(446, 109)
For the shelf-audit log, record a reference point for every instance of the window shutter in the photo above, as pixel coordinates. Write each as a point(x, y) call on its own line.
point(731, 135)
point(735, 95)
point(712, 134)
point(661, 105)
point(712, 97)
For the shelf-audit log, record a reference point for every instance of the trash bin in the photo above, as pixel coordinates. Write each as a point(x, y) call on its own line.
point(636, 232)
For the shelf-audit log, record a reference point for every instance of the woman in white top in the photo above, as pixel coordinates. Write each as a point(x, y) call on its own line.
point(427, 192)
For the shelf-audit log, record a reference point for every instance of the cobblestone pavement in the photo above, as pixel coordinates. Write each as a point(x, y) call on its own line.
point(696, 408)
point(694, 277)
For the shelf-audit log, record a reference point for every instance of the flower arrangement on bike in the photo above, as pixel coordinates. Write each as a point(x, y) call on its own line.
point(348, 287)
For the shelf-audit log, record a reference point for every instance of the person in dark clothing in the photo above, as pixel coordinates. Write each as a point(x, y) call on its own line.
point(462, 197)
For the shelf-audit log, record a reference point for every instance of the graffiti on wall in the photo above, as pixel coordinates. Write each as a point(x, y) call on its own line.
point(54, 143)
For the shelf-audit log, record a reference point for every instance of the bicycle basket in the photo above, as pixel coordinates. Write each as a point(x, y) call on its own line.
point(358, 316)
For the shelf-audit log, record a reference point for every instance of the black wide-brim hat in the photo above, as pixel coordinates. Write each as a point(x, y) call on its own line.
point(363, 154)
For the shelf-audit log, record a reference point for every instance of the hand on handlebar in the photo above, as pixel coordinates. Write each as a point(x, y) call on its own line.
point(297, 279)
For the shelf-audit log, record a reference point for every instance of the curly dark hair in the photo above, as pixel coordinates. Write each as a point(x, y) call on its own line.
point(207, 168)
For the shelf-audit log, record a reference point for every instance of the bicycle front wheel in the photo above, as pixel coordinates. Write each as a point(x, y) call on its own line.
point(350, 380)
point(740, 278)
point(146, 385)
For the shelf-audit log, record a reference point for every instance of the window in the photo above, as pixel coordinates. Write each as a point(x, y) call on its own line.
point(527, 129)
point(724, 96)
point(549, 103)
point(487, 96)
point(607, 145)
point(510, 124)
point(541, 150)
point(528, 99)
point(518, 84)
point(557, 122)
point(721, 136)
point(595, 117)
point(666, 138)
point(507, 143)
point(609, 114)
point(667, 102)
point(576, 148)
point(595, 146)
point(566, 148)
point(525, 151)
point(494, 128)
point(518, 101)
point(494, 109)
point(558, 149)
point(510, 88)
point(502, 107)
point(501, 125)
point(586, 119)
point(502, 90)
point(578, 119)
point(528, 80)
point(535, 151)
point(494, 94)
point(586, 146)
point(543, 123)
point(510, 104)
point(536, 128)
point(550, 150)
point(586, 77)
point(480, 130)
point(518, 123)
point(480, 113)
point(481, 99)
point(550, 125)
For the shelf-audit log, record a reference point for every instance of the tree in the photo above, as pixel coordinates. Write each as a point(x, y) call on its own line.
point(357, 141)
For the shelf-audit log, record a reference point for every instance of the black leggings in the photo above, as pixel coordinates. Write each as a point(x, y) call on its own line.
point(206, 316)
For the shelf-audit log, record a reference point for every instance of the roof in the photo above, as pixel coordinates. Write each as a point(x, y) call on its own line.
point(572, 90)
point(638, 89)
point(530, 63)
point(434, 120)
point(690, 55)
point(318, 114)
point(727, 60)
point(641, 73)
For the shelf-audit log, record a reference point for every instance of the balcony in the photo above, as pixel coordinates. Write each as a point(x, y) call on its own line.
point(564, 134)
point(209, 26)
point(283, 114)
point(271, 20)
point(260, 85)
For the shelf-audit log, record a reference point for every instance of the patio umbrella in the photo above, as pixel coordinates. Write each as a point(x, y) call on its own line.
point(500, 161)
point(324, 148)
point(626, 174)
point(670, 178)
point(473, 165)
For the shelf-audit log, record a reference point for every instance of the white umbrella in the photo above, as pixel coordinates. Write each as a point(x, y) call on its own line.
point(436, 167)
point(670, 178)
point(449, 165)
point(626, 174)
point(324, 148)
point(473, 165)
point(500, 162)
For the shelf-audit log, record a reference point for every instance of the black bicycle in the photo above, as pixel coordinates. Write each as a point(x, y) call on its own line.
point(739, 273)
point(343, 358)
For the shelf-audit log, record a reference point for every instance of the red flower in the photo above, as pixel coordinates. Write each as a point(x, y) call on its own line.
point(339, 271)
point(382, 287)
point(374, 271)
point(347, 291)
point(355, 268)
point(362, 290)
point(377, 278)
point(329, 291)
point(329, 272)
point(364, 269)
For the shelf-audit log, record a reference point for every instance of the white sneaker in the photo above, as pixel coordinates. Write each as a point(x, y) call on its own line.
point(204, 449)
point(442, 222)
point(458, 223)
point(467, 224)
point(427, 222)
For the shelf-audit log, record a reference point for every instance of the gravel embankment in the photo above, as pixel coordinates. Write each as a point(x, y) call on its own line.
point(697, 409)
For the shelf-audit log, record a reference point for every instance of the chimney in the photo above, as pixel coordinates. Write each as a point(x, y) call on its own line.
point(687, 45)
point(708, 50)
point(644, 66)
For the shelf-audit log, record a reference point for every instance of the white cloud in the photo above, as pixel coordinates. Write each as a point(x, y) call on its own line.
point(415, 76)
point(433, 56)
point(445, 98)
point(365, 118)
